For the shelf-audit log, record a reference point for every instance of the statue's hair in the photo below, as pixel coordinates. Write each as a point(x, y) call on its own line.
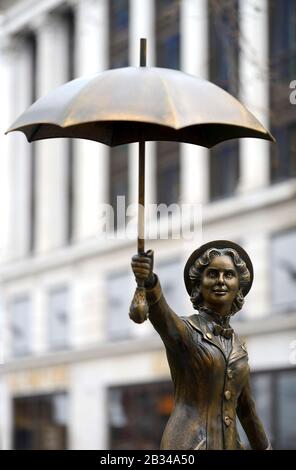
point(197, 269)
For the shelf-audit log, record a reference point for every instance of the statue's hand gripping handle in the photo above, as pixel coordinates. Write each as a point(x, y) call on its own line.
point(142, 266)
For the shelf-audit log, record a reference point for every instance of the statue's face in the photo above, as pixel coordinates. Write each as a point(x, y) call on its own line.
point(220, 284)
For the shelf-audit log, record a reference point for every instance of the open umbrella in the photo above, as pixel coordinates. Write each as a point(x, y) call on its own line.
point(138, 104)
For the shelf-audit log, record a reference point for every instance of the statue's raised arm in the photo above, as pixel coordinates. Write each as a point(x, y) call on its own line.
point(169, 326)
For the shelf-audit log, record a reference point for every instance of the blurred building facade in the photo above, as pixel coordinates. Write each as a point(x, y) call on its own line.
point(76, 373)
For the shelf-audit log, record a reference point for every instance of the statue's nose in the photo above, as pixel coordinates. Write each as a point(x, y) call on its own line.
point(220, 279)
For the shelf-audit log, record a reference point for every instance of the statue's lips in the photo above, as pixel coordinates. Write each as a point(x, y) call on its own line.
point(220, 292)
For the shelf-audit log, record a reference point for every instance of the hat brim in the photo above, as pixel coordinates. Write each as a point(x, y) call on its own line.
point(220, 244)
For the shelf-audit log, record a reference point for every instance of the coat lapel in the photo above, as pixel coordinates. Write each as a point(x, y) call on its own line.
point(201, 325)
point(238, 349)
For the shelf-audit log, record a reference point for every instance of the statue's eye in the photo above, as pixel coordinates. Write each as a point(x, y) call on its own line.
point(212, 274)
point(229, 274)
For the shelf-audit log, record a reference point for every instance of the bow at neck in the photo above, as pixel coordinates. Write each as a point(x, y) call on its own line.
point(219, 330)
point(220, 324)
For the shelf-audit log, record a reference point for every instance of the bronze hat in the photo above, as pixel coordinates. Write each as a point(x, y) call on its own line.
point(220, 244)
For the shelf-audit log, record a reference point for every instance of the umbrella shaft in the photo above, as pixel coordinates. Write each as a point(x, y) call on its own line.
point(143, 52)
point(141, 199)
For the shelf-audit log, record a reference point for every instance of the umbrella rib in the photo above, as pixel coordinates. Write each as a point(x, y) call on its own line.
point(34, 132)
point(170, 101)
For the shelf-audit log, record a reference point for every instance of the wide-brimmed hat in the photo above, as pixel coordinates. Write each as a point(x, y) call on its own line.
point(220, 244)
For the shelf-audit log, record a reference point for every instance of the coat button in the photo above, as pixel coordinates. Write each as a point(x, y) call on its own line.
point(208, 335)
point(227, 420)
point(227, 394)
point(229, 373)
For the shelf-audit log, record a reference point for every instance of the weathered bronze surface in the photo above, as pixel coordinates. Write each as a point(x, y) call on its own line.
point(207, 359)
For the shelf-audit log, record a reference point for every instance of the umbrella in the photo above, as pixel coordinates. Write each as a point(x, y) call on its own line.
point(138, 104)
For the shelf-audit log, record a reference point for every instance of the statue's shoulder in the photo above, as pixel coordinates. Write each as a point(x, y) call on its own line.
point(193, 321)
point(239, 342)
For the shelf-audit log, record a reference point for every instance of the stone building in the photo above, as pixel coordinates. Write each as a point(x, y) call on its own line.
point(76, 372)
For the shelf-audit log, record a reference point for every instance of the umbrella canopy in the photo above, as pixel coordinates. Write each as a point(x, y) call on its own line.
point(137, 104)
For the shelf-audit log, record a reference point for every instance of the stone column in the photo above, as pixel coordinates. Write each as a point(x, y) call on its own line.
point(6, 115)
point(91, 158)
point(91, 171)
point(6, 411)
point(254, 153)
point(194, 159)
point(258, 248)
point(51, 155)
point(142, 26)
point(194, 60)
point(18, 98)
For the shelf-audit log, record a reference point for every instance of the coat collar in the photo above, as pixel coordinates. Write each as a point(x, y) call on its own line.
point(201, 324)
point(213, 317)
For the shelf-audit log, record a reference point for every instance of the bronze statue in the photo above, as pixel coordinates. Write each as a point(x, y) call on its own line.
point(208, 362)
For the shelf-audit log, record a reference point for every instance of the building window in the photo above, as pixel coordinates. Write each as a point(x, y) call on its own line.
point(223, 65)
point(167, 13)
point(138, 415)
point(285, 436)
point(118, 33)
point(40, 422)
point(120, 292)
point(118, 57)
point(283, 271)
point(21, 326)
point(169, 274)
point(167, 31)
point(58, 318)
point(275, 396)
point(118, 182)
point(282, 58)
point(283, 153)
point(168, 172)
point(121, 288)
point(224, 170)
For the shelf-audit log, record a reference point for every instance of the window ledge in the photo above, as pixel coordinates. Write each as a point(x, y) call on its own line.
point(212, 212)
point(255, 200)
point(104, 350)
point(272, 323)
point(111, 349)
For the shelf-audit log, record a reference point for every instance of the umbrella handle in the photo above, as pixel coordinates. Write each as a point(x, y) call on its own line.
point(139, 306)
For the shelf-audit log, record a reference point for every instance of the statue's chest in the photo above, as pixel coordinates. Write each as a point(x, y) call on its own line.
point(209, 359)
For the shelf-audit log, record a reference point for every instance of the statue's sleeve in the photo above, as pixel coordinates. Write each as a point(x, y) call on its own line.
point(253, 427)
point(170, 326)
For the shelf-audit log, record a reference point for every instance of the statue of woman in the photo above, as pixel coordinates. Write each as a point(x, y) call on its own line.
point(207, 360)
